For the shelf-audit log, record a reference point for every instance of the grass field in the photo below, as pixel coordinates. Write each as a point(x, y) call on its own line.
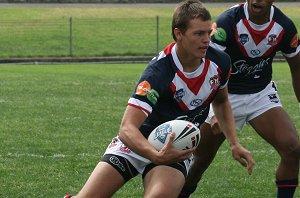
point(98, 31)
point(56, 121)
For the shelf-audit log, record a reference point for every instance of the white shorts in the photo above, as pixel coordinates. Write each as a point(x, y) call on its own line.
point(117, 147)
point(245, 107)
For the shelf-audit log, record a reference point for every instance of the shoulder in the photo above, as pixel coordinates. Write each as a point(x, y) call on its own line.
point(219, 57)
point(158, 68)
point(224, 25)
point(230, 15)
point(160, 71)
point(282, 18)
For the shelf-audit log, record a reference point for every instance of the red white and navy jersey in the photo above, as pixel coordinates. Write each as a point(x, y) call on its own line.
point(252, 47)
point(165, 92)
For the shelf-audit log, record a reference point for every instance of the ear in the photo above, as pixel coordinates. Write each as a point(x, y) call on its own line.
point(177, 34)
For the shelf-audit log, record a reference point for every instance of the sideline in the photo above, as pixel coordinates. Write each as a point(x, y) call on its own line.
point(111, 59)
point(104, 5)
point(117, 59)
point(126, 5)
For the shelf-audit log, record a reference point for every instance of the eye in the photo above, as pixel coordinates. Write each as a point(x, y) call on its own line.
point(204, 33)
point(200, 33)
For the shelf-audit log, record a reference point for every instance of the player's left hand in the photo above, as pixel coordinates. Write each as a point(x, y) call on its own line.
point(243, 156)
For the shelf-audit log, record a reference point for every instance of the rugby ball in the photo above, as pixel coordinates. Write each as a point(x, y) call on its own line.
point(187, 135)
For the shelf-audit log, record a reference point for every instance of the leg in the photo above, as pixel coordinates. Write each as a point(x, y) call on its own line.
point(282, 135)
point(163, 181)
point(203, 156)
point(98, 185)
point(112, 172)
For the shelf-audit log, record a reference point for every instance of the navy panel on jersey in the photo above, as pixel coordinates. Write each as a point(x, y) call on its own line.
point(252, 49)
point(165, 92)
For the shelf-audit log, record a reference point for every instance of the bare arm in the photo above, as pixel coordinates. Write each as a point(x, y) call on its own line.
point(223, 113)
point(294, 64)
point(222, 110)
point(131, 136)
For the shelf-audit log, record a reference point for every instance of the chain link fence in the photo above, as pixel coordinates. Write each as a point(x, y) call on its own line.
point(79, 38)
point(83, 37)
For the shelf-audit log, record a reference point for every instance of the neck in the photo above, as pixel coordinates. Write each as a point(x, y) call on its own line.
point(189, 64)
point(188, 61)
point(259, 20)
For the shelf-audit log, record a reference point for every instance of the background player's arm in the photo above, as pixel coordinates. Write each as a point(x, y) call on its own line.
point(294, 64)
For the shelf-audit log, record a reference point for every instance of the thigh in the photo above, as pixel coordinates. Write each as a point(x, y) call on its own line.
point(209, 143)
point(277, 128)
point(98, 185)
point(163, 181)
point(204, 154)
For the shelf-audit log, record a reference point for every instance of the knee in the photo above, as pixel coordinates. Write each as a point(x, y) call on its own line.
point(292, 152)
point(159, 194)
point(295, 151)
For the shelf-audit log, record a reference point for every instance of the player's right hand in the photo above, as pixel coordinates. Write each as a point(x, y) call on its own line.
point(169, 154)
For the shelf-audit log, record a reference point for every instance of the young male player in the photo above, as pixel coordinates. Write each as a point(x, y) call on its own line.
point(179, 83)
point(251, 33)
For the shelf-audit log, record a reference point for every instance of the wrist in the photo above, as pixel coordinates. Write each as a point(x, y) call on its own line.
point(233, 144)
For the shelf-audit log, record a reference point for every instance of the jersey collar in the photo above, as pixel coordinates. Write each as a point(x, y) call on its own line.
point(255, 26)
point(179, 65)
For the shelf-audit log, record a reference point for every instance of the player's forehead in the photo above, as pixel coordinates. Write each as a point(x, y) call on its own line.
point(199, 24)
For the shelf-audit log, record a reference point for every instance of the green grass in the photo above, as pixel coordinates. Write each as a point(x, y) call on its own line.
point(56, 121)
point(99, 31)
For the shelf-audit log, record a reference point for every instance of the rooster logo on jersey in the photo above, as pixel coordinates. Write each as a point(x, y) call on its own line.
point(272, 40)
point(214, 82)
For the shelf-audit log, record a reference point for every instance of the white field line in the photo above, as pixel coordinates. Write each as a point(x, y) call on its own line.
point(55, 155)
point(61, 155)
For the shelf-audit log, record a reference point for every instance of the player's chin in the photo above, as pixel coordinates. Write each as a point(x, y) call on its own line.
point(202, 51)
point(201, 54)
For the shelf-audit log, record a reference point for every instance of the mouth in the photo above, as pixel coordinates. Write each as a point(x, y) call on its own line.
point(203, 49)
point(256, 7)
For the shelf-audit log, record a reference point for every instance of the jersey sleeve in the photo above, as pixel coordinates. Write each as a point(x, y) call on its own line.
point(222, 29)
point(226, 70)
point(223, 61)
point(149, 88)
point(290, 45)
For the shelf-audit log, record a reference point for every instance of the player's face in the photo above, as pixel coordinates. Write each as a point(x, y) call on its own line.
point(259, 10)
point(195, 40)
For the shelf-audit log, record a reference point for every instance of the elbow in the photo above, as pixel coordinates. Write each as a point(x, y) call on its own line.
point(123, 134)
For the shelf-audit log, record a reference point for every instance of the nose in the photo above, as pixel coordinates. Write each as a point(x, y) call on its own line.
point(206, 38)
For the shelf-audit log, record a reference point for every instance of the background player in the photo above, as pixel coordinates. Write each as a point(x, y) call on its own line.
point(252, 33)
point(180, 82)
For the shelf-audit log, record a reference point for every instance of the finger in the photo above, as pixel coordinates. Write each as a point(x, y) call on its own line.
point(188, 152)
point(185, 154)
point(247, 161)
point(170, 141)
point(251, 164)
point(242, 161)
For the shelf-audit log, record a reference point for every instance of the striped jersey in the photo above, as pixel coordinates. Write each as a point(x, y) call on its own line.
point(252, 47)
point(165, 92)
